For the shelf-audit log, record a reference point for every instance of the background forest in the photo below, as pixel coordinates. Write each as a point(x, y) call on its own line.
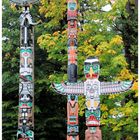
point(111, 35)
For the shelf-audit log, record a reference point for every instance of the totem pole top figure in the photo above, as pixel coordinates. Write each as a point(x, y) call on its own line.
point(91, 68)
point(72, 9)
point(24, 3)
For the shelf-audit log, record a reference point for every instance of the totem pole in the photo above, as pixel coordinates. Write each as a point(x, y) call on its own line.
point(92, 88)
point(72, 100)
point(26, 83)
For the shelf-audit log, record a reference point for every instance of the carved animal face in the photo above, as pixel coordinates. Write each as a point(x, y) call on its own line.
point(26, 52)
point(91, 68)
point(72, 5)
point(93, 118)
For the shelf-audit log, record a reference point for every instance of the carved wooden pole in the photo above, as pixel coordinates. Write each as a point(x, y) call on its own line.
point(26, 83)
point(93, 136)
point(72, 103)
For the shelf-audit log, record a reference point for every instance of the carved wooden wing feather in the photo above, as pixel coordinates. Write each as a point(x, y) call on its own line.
point(115, 87)
point(69, 88)
point(24, 2)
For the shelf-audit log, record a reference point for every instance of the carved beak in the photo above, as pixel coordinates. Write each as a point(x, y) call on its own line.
point(91, 72)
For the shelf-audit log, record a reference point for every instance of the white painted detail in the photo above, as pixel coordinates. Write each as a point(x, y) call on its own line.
point(92, 93)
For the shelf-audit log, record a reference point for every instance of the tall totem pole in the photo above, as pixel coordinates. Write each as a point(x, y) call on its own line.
point(72, 100)
point(26, 83)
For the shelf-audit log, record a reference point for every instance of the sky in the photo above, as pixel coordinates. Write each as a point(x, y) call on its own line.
point(107, 8)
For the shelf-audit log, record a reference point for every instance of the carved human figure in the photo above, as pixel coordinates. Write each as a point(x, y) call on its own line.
point(72, 115)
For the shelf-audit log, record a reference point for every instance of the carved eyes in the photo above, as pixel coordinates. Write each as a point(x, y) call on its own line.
point(95, 67)
point(89, 86)
point(87, 67)
point(26, 51)
point(95, 87)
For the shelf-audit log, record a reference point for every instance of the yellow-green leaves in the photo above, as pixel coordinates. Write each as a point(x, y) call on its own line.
point(54, 11)
point(81, 104)
point(55, 45)
point(117, 40)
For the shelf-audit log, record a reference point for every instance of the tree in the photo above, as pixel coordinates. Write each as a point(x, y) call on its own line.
point(128, 27)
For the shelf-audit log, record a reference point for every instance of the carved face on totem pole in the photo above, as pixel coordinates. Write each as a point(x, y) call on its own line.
point(92, 91)
point(26, 64)
point(72, 9)
point(91, 68)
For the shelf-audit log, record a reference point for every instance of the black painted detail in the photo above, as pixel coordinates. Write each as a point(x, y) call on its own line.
point(72, 42)
point(72, 73)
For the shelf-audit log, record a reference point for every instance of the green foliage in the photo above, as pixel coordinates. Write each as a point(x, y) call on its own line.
point(128, 27)
point(98, 38)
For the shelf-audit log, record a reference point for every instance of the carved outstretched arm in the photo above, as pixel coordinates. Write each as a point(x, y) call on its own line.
point(69, 88)
point(115, 87)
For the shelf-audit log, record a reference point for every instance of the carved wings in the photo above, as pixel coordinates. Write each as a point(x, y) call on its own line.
point(69, 88)
point(24, 2)
point(114, 87)
point(106, 88)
